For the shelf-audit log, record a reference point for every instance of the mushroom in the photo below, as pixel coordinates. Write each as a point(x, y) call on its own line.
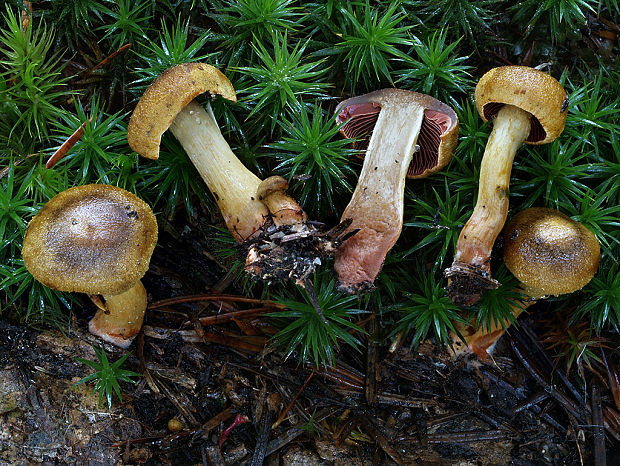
point(551, 254)
point(525, 105)
point(96, 239)
point(168, 103)
point(409, 135)
point(257, 212)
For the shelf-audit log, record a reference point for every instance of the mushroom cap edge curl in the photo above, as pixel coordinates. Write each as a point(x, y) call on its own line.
point(438, 115)
point(167, 95)
point(529, 89)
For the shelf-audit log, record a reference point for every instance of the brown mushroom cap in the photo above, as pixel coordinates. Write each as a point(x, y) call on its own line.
point(95, 239)
point(438, 135)
point(549, 252)
point(166, 97)
point(529, 89)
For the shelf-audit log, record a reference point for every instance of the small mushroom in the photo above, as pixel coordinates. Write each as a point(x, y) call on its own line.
point(258, 213)
point(96, 239)
point(284, 210)
point(525, 105)
point(551, 254)
point(408, 135)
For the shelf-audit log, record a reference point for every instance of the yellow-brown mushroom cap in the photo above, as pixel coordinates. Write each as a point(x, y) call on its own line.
point(549, 252)
point(95, 239)
point(166, 97)
point(531, 90)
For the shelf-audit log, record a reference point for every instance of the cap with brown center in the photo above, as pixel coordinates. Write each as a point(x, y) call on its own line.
point(94, 239)
point(408, 135)
point(549, 252)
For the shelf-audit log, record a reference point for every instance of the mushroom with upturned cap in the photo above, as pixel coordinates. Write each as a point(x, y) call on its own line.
point(408, 135)
point(525, 105)
point(96, 239)
point(551, 254)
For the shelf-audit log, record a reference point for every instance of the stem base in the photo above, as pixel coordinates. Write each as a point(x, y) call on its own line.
point(467, 283)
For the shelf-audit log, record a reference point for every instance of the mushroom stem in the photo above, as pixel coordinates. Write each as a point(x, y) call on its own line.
point(231, 183)
point(283, 208)
point(122, 318)
point(376, 206)
point(511, 128)
point(482, 340)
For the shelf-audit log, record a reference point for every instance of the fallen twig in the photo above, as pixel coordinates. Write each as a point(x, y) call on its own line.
point(600, 457)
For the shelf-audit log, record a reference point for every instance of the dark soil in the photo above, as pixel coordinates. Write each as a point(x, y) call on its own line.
point(411, 407)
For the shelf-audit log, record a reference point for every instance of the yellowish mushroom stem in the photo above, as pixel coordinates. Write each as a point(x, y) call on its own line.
point(283, 208)
point(121, 319)
point(231, 183)
point(511, 127)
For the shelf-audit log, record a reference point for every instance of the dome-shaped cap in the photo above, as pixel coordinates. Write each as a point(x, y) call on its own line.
point(166, 97)
point(531, 90)
point(95, 239)
point(549, 252)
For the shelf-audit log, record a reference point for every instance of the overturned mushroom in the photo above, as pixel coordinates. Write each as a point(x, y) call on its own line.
point(551, 254)
point(257, 213)
point(525, 105)
point(409, 135)
point(96, 239)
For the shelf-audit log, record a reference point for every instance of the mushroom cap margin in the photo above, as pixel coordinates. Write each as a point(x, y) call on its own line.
point(449, 138)
point(533, 91)
point(550, 252)
point(95, 239)
point(166, 97)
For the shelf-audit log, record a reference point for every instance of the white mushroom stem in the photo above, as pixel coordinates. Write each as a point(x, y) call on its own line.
point(122, 317)
point(511, 127)
point(231, 183)
point(376, 206)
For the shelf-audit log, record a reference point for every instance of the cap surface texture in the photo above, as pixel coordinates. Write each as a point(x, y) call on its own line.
point(95, 239)
point(166, 97)
point(550, 252)
point(533, 91)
